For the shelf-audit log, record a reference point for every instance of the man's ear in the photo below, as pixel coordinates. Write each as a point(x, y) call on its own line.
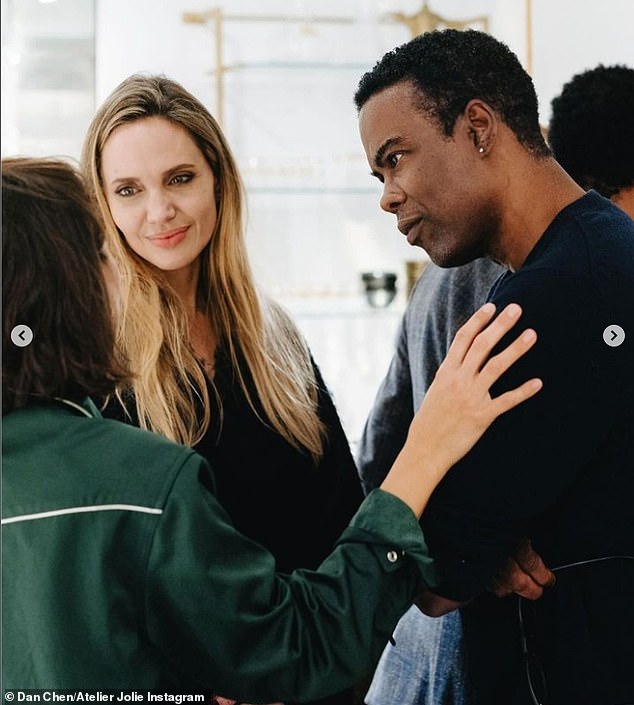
point(482, 123)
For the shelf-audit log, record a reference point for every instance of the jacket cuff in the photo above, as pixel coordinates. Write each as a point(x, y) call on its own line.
point(387, 522)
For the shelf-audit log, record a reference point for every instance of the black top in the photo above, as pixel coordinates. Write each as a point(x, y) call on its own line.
point(559, 468)
point(273, 492)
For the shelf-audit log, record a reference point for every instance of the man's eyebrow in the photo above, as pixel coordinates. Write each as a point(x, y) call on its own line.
point(380, 152)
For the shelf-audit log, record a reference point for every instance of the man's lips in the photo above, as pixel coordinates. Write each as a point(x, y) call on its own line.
point(407, 223)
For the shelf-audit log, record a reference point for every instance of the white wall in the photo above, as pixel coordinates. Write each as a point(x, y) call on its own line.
point(568, 35)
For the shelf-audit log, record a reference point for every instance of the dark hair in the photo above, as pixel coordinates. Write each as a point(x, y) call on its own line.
point(451, 67)
point(52, 281)
point(591, 128)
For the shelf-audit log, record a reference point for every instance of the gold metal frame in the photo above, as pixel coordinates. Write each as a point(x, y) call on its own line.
point(427, 21)
point(423, 21)
point(218, 17)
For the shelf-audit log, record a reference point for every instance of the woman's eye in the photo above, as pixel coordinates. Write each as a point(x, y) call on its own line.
point(125, 191)
point(181, 179)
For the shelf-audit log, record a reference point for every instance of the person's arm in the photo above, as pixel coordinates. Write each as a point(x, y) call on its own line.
point(524, 574)
point(439, 304)
point(385, 429)
point(441, 301)
point(528, 458)
point(451, 420)
point(220, 615)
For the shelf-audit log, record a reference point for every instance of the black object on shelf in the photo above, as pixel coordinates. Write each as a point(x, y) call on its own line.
point(380, 288)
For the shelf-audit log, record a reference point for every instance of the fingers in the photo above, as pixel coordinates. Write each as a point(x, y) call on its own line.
point(475, 340)
point(525, 574)
point(512, 579)
point(490, 336)
point(466, 334)
point(458, 403)
point(500, 363)
point(514, 397)
point(532, 564)
point(496, 366)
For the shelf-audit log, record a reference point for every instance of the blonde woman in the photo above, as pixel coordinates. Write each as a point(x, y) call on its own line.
point(218, 366)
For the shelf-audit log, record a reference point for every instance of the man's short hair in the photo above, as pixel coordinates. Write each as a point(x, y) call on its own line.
point(591, 128)
point(451, 67)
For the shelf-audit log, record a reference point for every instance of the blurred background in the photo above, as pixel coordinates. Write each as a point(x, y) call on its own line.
point(280, 75)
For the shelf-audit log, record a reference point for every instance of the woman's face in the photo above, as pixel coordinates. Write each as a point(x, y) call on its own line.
point(160, 191)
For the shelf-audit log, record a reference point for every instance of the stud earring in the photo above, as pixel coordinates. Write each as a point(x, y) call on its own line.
point(481, 150)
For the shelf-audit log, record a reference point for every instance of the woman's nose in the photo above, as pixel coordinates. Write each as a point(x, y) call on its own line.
point(160, 207)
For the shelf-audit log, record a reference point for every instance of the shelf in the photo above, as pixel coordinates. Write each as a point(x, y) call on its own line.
point(332, 307)
point(311, 190)
point(296, 65)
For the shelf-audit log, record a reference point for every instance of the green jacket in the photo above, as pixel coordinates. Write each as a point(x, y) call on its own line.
point(121, 570)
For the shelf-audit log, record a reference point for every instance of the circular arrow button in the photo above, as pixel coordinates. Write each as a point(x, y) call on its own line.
point(21, 336)
point(613, 336)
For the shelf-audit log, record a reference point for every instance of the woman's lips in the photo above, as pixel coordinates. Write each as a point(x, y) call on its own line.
point(169, 239)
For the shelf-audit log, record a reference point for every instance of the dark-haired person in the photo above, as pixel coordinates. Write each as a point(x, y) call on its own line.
point(449, 124)
point(426, 664)
point(591, 132)
point(121, 568)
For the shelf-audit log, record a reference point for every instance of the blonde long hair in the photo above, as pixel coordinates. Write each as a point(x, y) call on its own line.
point(169, 387)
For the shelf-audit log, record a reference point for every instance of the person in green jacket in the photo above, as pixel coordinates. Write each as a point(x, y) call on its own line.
point(120, 568)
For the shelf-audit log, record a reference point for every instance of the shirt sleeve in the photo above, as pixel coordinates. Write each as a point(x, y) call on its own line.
point(386, 428)
point(531, 455)
point(440, 303)
point(217, 610)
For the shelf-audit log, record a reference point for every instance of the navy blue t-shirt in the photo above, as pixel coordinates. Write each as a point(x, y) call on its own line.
point(558, 468)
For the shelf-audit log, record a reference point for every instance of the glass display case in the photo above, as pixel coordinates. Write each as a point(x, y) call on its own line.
point(286, 106)
point(314, 223)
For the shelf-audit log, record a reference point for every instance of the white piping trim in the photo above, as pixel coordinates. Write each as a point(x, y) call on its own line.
point(82, 510)
point(77, 407)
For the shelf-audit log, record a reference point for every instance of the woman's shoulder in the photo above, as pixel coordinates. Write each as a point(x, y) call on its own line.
point(133, 447)
point(111, 462)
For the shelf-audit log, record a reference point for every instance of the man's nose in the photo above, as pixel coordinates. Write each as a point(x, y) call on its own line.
point(391, 198)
